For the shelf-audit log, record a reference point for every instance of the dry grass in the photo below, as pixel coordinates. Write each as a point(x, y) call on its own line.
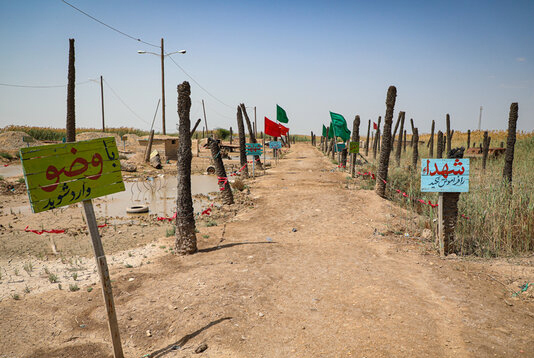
point(501, 222)
point(55, 134)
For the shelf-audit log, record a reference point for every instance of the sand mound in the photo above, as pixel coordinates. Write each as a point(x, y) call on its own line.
point(12, 140)
point(132, 140)
point(95, 135)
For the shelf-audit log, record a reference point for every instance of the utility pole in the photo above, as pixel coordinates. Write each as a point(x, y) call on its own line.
point(205, 120)
point(480, 118)
point(255, 124)
point(162, 87)
point(102, 100)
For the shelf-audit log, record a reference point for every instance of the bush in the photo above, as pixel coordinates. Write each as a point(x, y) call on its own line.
point(222, 133)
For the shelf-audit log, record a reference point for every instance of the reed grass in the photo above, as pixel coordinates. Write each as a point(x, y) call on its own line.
point(57, 134)
point(500, 219)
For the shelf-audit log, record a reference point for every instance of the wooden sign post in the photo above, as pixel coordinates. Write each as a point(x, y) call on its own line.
point(63, 174)
point(448, 177)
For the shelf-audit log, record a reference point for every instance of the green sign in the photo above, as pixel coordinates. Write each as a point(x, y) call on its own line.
point(66, 173)
point(354, 147)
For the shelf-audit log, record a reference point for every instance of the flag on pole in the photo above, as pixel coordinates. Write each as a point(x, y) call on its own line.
point(281, 115)
point(324, 131)
point(339, 126)
point(375, 127)
point(283, 130)
point(272, 128)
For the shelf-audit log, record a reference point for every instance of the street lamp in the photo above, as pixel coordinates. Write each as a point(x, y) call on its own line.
point(162, 55)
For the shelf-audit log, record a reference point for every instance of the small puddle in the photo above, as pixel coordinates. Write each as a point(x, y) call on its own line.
point(12, 170)
point(158, 193)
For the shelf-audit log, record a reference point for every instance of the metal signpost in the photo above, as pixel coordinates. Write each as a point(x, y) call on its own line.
point(448, 177)
point(275, 145)
point(253, 149)
point(66, 173)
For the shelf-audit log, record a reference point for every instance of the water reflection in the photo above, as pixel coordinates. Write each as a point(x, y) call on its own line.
point(159, 193)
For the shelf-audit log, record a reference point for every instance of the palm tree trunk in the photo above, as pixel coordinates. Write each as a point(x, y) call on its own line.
point(224, 184)
point(510, 143)
point(71, 114)
point(185, 242)
point(242, 142)
point(386, 143)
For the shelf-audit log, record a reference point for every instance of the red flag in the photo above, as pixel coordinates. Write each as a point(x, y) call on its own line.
point(283, 130)
point(272, 128)
point(375, 127)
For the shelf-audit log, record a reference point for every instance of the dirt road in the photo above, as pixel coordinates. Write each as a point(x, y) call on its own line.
point(305, 270)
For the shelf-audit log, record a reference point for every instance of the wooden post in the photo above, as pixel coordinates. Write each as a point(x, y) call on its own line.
point(185, 240)
point(367, 141)
point(399, 142)
point(255, 124)
point(356, 139)
point(447, 214)
point(231, 135)
point(413, 128)
point(263, 144)
point(382, 172)
point(486, 145)
point(415, 156)
point(404, 145)
point(449, 135)
point(431, 141)
point(344, 158)
point(198, 148)
point(195, 127)
point(241, 132)
point(224, 184)
point(103, 272)
point(439, 148)
point(255, 158)
point(102, 101)
point(401, 113)
point(205, 120)
point(149, 146)
point(333, 145)
point(71, 113)
point(468, 138)
point(510, 143)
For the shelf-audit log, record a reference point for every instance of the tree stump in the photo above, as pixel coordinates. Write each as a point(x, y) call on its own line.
point(224, 183)
point(382, 173)
point(186, 241)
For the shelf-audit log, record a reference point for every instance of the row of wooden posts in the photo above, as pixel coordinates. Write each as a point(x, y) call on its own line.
point(384, 144)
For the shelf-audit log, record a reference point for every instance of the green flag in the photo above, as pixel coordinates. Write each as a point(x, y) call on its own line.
point(339, 126)
point(324, 131)
point(281, 115)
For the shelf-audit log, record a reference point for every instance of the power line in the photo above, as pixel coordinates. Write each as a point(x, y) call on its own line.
point(150, 44)
point(124, 103)
point(39, 86)
point(108, 26)
point(198, 84)
point(222, 115)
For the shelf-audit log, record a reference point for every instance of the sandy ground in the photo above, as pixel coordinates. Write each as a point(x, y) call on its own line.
point(303, 266)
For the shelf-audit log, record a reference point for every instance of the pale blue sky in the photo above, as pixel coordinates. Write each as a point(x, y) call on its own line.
point(310, 57)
